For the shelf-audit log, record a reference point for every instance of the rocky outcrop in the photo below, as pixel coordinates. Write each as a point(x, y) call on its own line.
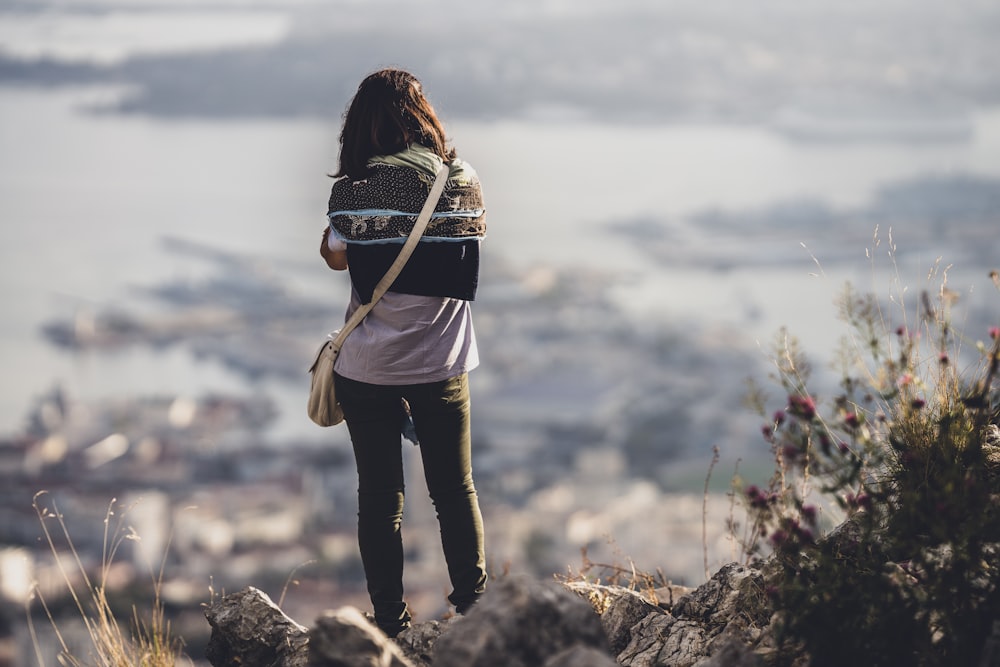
point(345, 638)
point(248, 630)
point(724, 621)
point(518, 623)
point(622, 616)
point(418, 642)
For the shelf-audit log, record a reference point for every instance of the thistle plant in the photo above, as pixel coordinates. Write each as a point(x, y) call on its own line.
point(905, 456)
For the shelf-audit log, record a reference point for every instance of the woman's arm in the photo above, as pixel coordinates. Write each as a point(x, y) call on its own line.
point(335, 259)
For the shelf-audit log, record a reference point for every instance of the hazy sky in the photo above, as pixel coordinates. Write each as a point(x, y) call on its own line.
point(615, 61)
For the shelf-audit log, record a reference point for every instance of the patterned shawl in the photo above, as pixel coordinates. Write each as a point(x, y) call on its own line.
point(383, 207)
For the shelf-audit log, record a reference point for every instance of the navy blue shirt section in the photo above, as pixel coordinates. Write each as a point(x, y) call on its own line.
point(436, 268)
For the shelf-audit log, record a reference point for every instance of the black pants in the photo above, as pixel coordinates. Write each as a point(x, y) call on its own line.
point(441, 412)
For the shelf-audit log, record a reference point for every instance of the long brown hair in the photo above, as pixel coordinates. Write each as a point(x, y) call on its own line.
point(388, 113)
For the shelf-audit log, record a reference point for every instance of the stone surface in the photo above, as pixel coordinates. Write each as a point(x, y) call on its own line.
point(249, 630)
point(730, 652)
point(345, 638)
point(519, 623)
point(417, 642)
point(991, 650)
point(667, 596)
point(683, 646)
point(734, 591)
point(721, 622)
point(648, 638)
point(581, 656)
point(623, 614)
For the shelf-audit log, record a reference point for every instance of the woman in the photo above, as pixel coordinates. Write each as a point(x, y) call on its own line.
point(411, 355)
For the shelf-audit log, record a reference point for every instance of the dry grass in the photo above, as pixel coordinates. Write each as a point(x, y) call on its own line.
point(148, 640)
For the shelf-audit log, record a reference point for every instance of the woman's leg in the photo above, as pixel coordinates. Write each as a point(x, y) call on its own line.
point(373, 415)
point(441, 415)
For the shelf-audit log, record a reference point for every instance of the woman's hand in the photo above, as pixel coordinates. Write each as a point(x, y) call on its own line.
point(335, 259)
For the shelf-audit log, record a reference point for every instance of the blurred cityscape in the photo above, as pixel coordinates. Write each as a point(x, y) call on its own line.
point(574, 451)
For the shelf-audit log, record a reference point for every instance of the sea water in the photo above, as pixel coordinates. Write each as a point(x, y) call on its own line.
point(88, 197)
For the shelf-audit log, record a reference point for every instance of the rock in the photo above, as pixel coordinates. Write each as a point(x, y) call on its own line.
point(249, 630)
point(620, 609)
point(719, 623)
point(683, 646)
point(417, 642)
point(623, 614)
point(730, 652)
point(519, 623)
point(647, 639)
point(667, 596)
point(345, 638)
point(845, 537)
point(991, 650)
point(734, 592)
point(581, 656)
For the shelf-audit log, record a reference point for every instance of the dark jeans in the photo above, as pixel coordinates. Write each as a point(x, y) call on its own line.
point(441, 411)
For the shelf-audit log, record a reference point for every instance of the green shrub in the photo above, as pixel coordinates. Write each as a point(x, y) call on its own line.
point(905, 453)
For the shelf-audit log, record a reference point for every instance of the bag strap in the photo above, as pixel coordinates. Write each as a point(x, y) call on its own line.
point(404, 255)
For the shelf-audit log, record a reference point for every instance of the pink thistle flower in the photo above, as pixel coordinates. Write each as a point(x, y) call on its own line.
point(994, 332)
point(802, 406)
point(917, 403)
point(809, 514)
point(852, 420)
point(943, 359)
point(756, 497)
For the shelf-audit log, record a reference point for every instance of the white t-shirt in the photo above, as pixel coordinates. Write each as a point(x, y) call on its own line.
point(408, 339)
